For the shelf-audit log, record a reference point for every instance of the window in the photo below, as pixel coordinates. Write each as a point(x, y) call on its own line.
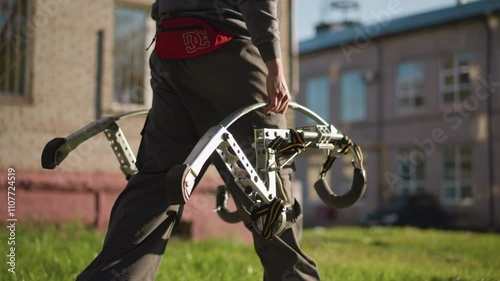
point(410, 86)
point(318, 97)
point(14, 49)
point(457, 178)
point(132, 30)
point(455, 78)
point(411, 171)
point(352, 96)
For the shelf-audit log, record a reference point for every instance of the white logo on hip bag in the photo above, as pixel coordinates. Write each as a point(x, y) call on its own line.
point(196, 40)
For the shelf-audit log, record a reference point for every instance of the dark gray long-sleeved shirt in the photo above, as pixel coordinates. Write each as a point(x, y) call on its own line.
point(255, 18)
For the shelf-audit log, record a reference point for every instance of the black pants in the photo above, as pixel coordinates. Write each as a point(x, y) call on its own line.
point(190, 96)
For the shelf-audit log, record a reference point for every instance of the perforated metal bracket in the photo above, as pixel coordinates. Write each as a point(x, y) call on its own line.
point(323, 136)
point(243, 172)
point(121, 149)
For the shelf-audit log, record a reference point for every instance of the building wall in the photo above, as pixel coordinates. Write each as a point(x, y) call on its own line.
point(363, 133)
point(63, 84)
point(385, 130)
point(430, 46)
point(63, 68)
point(495, 81)
point(62, 74)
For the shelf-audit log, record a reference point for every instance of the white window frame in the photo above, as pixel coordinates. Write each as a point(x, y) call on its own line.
point(414, 90)
point(455, 72)
point(458, 182)
point(150, 26)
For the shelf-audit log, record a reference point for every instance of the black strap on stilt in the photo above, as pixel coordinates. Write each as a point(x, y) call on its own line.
point(345, 143)
point(328, 163)
point(282, 147)
point(272, 212)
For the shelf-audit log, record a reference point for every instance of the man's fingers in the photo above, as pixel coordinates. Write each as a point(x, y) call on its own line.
point(272, 105)
point(284, 103)
point(284, 99)
point(278, 95)
point(278, 102)
point(281, 108)
point(278, 107)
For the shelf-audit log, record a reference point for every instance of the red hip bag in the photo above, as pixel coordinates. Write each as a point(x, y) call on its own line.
point(189, 38)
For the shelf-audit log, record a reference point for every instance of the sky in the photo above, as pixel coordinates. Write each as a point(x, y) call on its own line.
point(309, 12)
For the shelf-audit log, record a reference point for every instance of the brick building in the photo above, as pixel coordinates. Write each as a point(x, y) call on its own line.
point(420, 95)
point(63, 64)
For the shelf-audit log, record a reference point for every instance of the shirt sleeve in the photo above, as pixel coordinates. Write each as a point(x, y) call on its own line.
point(261, 18)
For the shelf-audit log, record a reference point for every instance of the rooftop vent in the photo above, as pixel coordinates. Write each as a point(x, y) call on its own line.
point(343, 10)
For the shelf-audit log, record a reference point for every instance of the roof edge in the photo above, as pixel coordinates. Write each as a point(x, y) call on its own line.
point(396, 26)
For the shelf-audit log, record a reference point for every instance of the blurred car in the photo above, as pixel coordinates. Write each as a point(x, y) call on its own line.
point(420, 210)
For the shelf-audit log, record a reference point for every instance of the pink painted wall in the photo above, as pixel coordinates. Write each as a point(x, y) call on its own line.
point(57, 197)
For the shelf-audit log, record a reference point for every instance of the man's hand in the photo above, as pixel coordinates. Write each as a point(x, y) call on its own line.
point(277, 89)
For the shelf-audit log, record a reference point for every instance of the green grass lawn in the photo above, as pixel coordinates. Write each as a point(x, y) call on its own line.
point(342, 253)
